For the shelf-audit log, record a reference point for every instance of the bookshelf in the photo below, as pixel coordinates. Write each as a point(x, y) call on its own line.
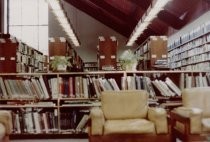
point(191, 50)
point(154, 53)
point(16, 57)
point(51, 100)
point(59, 46)
point(107, 53)
point(90, 66)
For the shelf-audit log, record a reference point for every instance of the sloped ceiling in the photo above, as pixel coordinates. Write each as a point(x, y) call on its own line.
point(93, 18)
point(123, 15)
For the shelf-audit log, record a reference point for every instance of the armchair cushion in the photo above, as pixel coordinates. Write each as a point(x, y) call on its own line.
point(120, 104)
point(97, 121)
point(2, 131)
point(195, 116)
point(197, 97)
point(6, 120)
point(206, 124)
point(129, 126)
point(159, 117)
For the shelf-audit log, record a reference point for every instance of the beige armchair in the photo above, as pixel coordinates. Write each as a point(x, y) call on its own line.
point(191, 122)
point(5, 125)
point(125, 116)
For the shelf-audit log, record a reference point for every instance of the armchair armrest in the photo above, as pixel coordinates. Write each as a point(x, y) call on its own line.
point(190, 118)
point(6, 120)
point(159, 117)
point(97, 121)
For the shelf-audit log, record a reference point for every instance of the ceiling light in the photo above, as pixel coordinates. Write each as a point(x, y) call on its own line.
point(147, 18)
point(63, 20)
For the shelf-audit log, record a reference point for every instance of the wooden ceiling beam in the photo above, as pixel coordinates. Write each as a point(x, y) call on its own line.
point(171, 20)
point(143, 4)
point(101, 16)
point(115, 12)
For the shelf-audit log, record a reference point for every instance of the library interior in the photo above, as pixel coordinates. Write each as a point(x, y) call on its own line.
point(105, 70)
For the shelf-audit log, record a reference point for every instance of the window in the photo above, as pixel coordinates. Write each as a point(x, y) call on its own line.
point(28, 21)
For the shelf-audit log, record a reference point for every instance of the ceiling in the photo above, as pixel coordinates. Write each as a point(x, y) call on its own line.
point(93, 18)
point(123, 15)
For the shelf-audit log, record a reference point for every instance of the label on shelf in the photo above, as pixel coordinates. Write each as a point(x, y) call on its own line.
point(2, 58)
point(154, 56)
point(102, 57)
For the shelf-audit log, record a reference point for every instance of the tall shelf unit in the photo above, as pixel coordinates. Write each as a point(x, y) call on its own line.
point(152, 50)
point(16, 56)
point(191, 50)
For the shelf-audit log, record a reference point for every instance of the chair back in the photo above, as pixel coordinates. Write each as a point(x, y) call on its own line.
point(124, 104)
point(197, 97)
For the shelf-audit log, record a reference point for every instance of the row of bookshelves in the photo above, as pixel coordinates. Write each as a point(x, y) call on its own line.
point(16, 56)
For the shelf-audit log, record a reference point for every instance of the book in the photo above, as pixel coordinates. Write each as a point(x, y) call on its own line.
point(173, 86)
point(3, 89)
point(44, 88)
point(82, 122)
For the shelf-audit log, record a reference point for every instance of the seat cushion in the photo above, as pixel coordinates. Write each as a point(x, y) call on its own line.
point(126, 104)
point(2, 131)
point(128, 126)
point(206, 124)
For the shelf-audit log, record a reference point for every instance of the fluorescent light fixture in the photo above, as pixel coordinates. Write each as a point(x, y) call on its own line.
point(147, 18)
point(63, 20)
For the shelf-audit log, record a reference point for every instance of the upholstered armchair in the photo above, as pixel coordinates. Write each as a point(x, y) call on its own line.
point(191, 122)
point(5, 125)
point(126, 117)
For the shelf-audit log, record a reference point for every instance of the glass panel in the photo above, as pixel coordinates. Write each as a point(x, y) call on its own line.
point(43, 39)
point(29, 12)
point(30, 36)
point(27, 15)
point(43, 12)
point(15, 12)
point(16, 31)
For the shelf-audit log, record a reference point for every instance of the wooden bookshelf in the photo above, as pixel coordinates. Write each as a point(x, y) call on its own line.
point(107, 53)
point(90, 66)
point(191, 50)
point(152, 50)
point(59, 46)
point(18, 57)
point(63, 104)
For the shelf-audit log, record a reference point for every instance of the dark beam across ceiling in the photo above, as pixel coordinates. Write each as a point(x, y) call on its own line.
point(97, 13)
point(171, 20)
point(115, 12)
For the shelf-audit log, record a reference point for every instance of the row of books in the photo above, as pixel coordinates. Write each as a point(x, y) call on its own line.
point(38, 122)
point(189, 46)
point(191, 60)
point(70, 87)
point(32, 121)
point(33, 88)
point(74, 120)
point(86, 87)
point(205, 66)
point(186, 37)
point(189, 81)
point(81, 87)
